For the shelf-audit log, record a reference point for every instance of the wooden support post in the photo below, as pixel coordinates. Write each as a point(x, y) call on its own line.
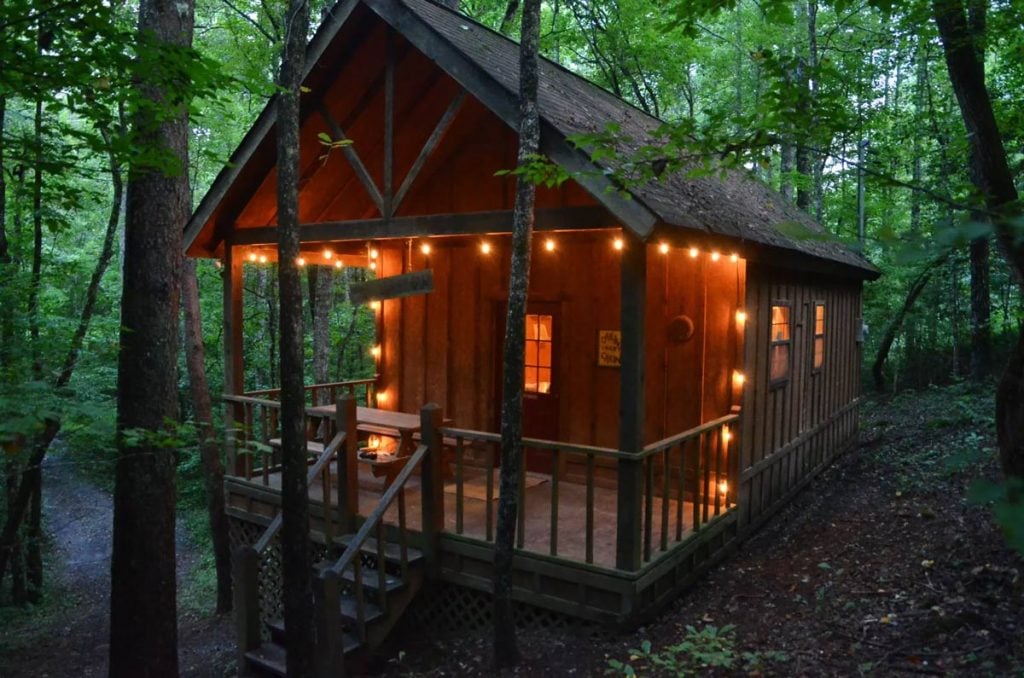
point(348, 472)
point(432, 485)
point(247, 603)
point(329, 661)
point(631, 403)
point(234, 371)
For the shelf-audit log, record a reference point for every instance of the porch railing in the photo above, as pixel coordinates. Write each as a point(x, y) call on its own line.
point(688, 480)
point(319, 394)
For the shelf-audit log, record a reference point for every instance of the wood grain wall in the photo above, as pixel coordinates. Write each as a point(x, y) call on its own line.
point(792, 429)
point(441, 347)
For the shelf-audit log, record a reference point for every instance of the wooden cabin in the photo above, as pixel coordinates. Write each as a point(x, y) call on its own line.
point(690, 366)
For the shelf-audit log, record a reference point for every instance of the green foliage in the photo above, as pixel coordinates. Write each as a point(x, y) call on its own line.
point(700, 650)
point(1007, 502)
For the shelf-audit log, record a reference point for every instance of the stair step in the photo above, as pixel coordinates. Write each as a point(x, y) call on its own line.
point(350, 641)
point(392, 551)
point(371, 579)
point(348, 610)
point(268, 657)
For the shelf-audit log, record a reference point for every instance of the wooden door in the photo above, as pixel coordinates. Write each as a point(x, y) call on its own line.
point(541, 382)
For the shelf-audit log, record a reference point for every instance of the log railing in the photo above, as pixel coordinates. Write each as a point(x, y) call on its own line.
point(694, 467)
point(427, 457)
point(320, 394)
point(252, 424)
point(688, 480)
point(248, 558)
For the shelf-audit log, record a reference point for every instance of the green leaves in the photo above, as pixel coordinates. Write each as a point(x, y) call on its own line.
point(538, 170)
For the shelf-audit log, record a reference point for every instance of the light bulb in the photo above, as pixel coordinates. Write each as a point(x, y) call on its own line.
point(375, 351)
point(618, 244)
point(373, 253)
point(549, 245)
point(663, 248)
point(252, 256)
point(741, 316)
point(375, 305)
point(734, 257)
point(300, 262)
point(373, 265)
point(425, 248)
point(328, 254)
point(263, 258)
point(338, 264)
point(694, 252)
point(715, 256)
point(485, 247)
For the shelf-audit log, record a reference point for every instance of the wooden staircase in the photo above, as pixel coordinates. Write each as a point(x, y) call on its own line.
point(369, 577)
point(359, 627)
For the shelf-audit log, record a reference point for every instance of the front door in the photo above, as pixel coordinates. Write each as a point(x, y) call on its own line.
point(540, 378)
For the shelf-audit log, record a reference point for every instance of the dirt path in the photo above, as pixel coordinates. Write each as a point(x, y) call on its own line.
point(71, 636)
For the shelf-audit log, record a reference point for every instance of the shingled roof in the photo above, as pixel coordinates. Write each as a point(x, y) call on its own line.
point(736, 207)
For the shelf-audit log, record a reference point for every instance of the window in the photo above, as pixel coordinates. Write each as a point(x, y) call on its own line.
point(538, 353)
point(819, 335)
point(780, 336)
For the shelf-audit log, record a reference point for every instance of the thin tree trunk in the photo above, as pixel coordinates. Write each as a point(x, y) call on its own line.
point(509, 19)
point(322, 330)
point(213, 467)
point(37, 244)
point(15, 554)
point(41, 444)
point(506, 650)
point(981, 310)
point(295, 551)
point(143, 606)
point(991, 173)
point(893, 328)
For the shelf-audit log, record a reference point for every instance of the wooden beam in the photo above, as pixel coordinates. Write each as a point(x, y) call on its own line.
point(234, 374)
point(428, 148)
point(392, 287)
point(503, 102)
point(468, 223)
point(353, 158)
point(251, 141)
point(633, 304)
point(389, 125)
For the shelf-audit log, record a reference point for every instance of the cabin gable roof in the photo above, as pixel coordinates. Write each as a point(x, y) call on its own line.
point(736, 208)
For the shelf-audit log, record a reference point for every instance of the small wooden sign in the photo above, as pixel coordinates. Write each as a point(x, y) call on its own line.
point(609, 348)
point(392, 287)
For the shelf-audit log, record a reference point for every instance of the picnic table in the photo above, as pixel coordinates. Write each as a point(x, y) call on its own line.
point(381, 422)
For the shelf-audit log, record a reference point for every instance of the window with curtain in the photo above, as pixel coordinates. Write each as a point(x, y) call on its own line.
point(539, 335)
point(819, 335)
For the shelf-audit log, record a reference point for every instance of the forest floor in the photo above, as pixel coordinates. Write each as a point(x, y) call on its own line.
point(880, 567)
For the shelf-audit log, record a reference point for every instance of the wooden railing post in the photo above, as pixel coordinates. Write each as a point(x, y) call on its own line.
point(247, 601)
point(432, 485)
point(328, 661)
point(348, 472)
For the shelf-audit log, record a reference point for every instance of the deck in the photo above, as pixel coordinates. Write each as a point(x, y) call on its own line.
point(478, 515)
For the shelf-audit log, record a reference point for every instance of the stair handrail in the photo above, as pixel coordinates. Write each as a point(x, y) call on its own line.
point(246, 585)
point(274, 527)
point(377, 516)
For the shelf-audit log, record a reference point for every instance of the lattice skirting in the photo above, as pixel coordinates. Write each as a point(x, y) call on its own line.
point(268, 582)
point(444, 609)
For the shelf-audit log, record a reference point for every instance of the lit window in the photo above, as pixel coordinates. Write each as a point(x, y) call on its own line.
point(538, 354)
point(780, 346)
point(819, 336)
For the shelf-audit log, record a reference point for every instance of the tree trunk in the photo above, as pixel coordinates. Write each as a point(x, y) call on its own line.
point(213, 467)
point(295, 552)
point(143, 607)
point(893, 328)
point(37, 244)
point(322, 330)
point(19, 502)
point(506, 650)
point(991, 174)
point(981, 311)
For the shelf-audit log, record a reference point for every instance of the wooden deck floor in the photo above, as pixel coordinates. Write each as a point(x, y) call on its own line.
point(570, 525)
